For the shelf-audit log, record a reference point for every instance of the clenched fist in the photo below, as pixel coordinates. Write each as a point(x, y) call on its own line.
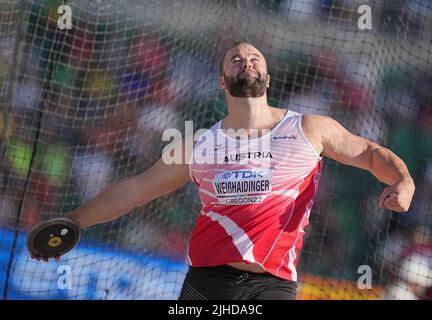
point(398, 196)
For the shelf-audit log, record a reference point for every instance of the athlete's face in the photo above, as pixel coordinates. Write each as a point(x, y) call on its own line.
point(245, 72)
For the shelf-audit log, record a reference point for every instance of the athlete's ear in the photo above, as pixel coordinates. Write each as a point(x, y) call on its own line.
point(222, 82)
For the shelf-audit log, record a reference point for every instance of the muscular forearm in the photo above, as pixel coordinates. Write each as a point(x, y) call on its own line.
point(110, 204)
point(388, 167)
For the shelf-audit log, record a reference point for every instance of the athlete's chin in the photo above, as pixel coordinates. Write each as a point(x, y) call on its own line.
point(249, 87)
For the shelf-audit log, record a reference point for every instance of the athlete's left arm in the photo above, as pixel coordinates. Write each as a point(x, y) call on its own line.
point(341, 145)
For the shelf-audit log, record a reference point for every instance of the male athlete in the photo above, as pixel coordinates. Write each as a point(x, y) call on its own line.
point(256, 197)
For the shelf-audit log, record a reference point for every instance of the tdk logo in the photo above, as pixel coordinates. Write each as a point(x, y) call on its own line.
point(243, 174)
point(288, 137)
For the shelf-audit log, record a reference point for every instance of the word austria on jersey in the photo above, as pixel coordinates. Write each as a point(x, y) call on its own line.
point(247, 155)
point(216, 146)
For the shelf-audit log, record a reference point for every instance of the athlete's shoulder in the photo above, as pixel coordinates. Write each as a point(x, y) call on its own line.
point(316, 128)
point(321, 128)
point(315, 117)
point(316, 122)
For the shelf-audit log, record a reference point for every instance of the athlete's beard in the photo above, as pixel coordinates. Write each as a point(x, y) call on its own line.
point(249, 86)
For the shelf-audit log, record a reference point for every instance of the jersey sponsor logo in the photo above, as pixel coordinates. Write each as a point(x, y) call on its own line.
point(239, 187)
point(248, 155)
point(286, 137)
point(218, 146)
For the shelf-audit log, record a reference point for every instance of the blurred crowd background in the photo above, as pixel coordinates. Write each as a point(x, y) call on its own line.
point(81, 108)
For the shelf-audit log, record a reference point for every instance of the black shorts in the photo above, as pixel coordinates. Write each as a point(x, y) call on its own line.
point(228, 283)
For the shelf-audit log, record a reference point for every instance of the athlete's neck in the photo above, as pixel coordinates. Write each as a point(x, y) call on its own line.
point(251, 113)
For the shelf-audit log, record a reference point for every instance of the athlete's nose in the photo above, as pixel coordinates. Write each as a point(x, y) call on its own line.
point(247, 64)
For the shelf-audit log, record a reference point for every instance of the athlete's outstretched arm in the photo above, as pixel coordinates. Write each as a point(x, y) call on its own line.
point(339, 144)
point(125, 194)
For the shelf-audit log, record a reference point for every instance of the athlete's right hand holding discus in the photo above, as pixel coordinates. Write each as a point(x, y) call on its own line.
point(126, 194)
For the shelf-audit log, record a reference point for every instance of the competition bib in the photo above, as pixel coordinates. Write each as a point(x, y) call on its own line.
point(240, 187)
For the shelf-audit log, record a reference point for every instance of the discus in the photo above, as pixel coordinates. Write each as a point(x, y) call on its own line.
point(53, 238)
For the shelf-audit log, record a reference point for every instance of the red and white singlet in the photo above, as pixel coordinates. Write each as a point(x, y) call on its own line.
point(256, 197)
